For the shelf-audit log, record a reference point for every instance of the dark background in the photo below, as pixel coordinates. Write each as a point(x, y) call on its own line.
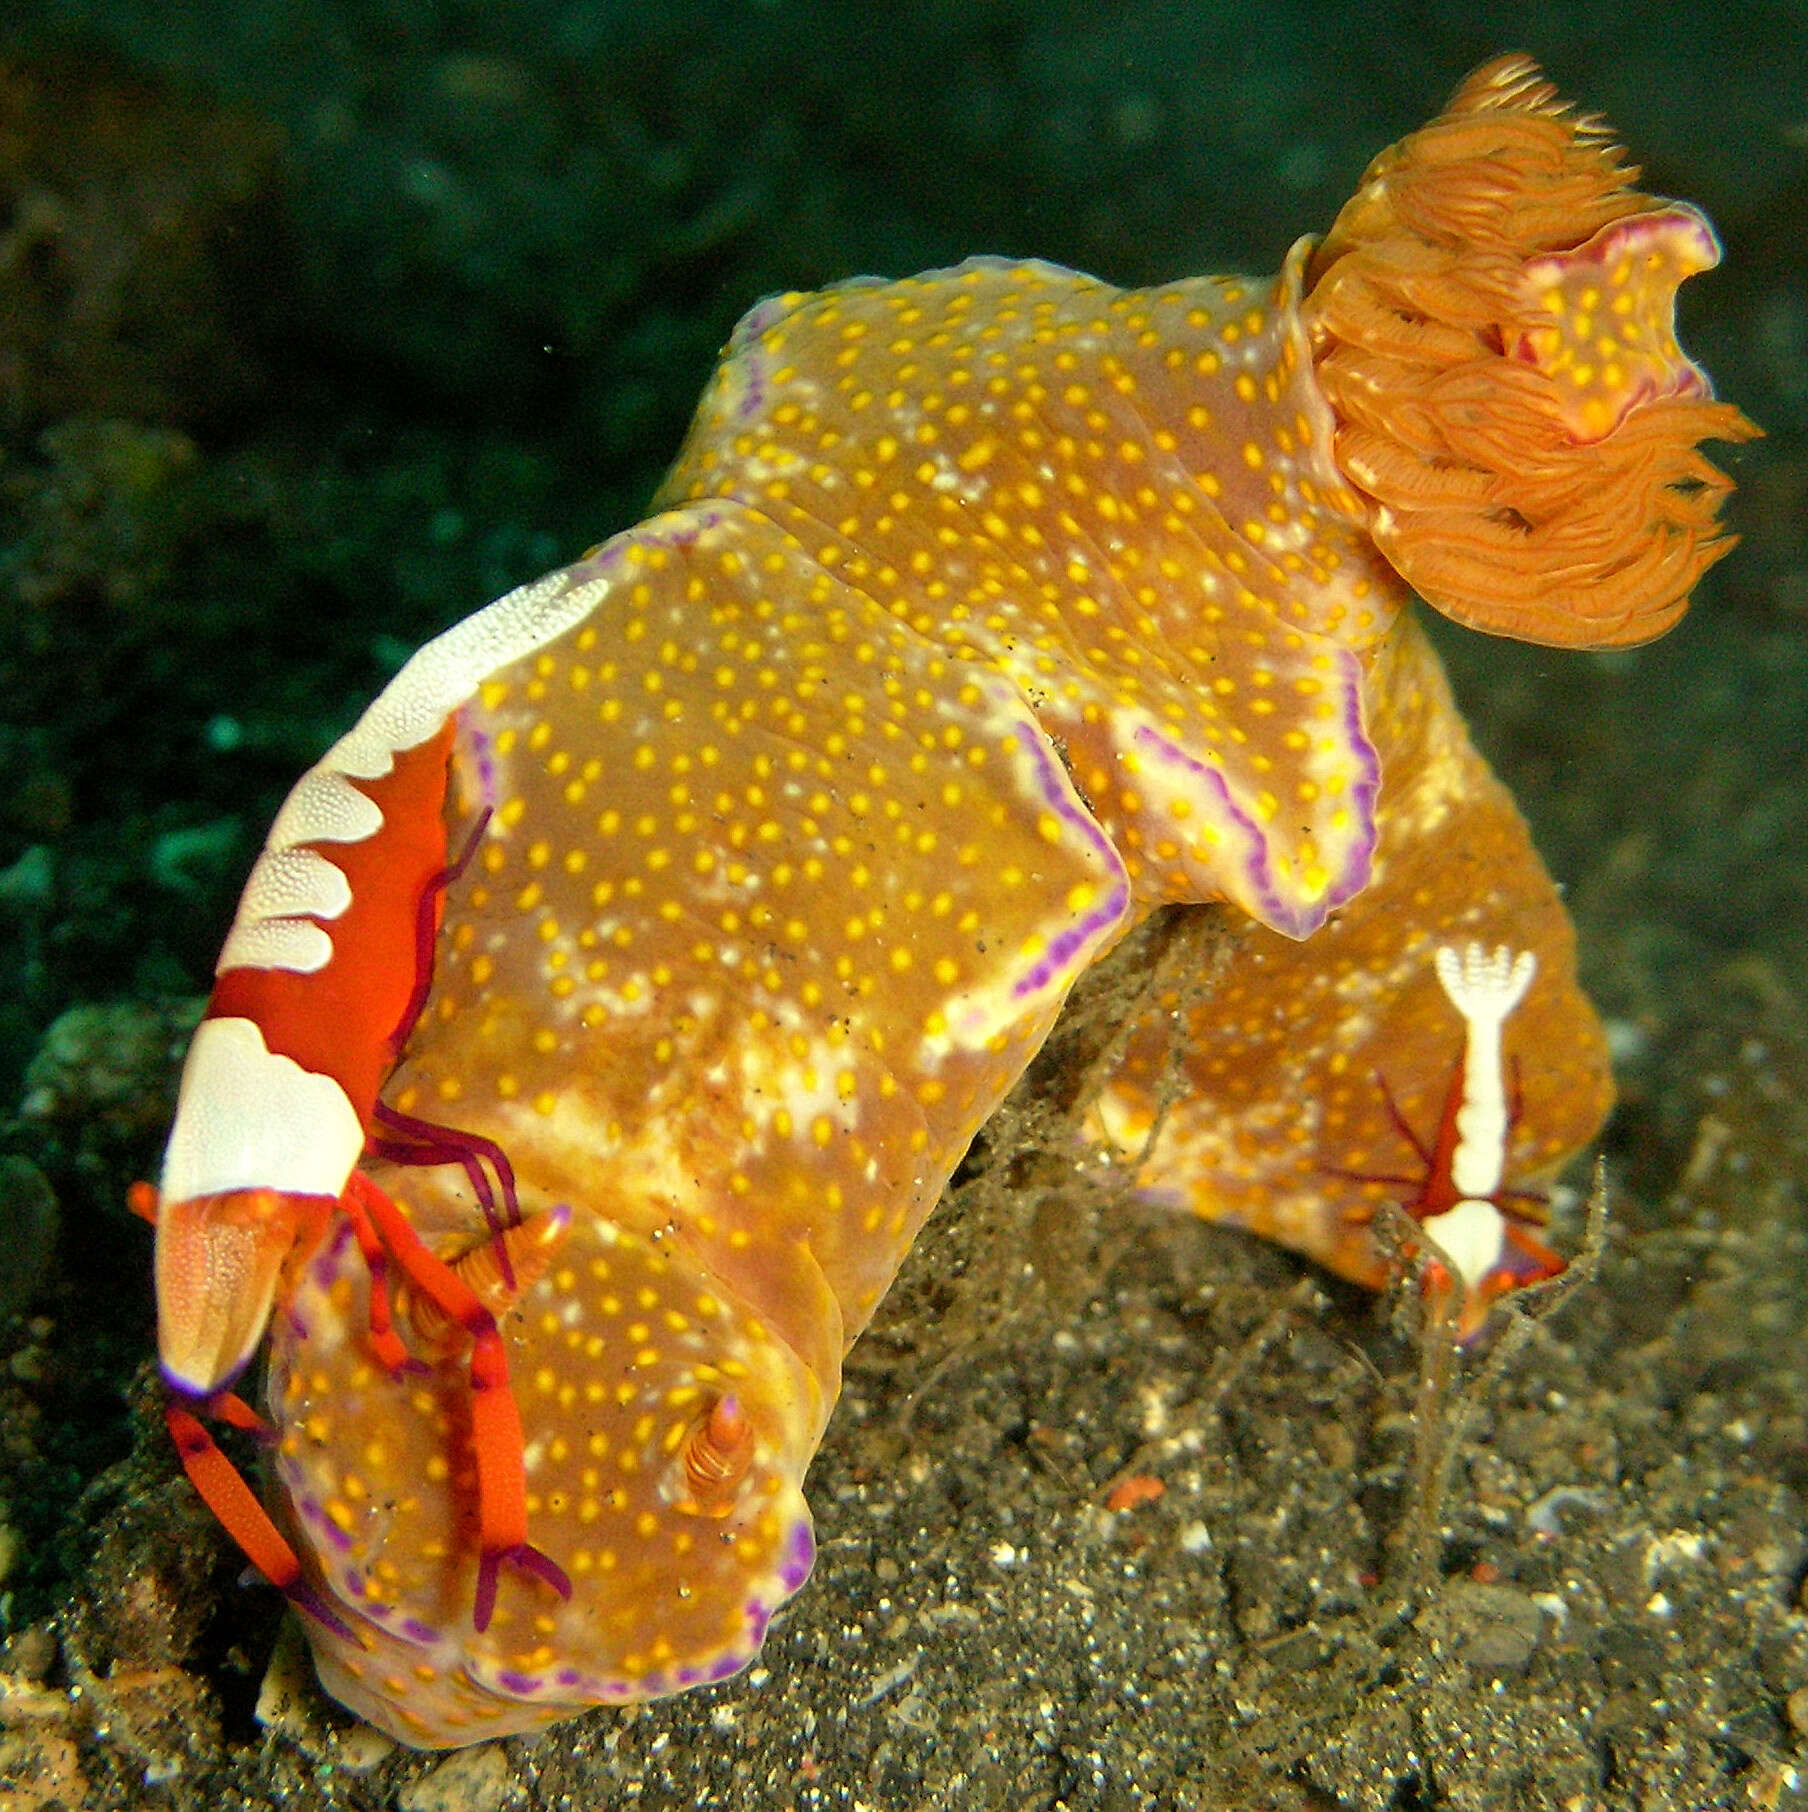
point(321, 324)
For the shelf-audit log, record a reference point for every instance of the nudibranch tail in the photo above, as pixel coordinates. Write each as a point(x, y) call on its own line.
point(1492, 319)
point(1326, 1079)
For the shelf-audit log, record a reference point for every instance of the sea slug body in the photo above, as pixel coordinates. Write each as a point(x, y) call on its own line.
point(611, 1005)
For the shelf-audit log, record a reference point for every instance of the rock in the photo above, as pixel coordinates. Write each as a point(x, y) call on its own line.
point(28, 1230)
point(1492, 1628)
point(472, 1780)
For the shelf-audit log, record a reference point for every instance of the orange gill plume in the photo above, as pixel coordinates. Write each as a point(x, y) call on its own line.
point(1492, 321)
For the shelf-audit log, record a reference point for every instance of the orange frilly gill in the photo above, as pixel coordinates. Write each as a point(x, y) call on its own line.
point(608, 1008)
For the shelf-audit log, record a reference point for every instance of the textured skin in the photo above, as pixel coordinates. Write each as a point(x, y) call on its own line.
point(983, 614)
point(784, 885)
point(1124, 500)
point(774, 904)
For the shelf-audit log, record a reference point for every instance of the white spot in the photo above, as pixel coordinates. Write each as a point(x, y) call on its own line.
point(249, 1118)
point(1470, 1235)
point(1669, 1553)
point(1551, 1603)
point(1484, 987)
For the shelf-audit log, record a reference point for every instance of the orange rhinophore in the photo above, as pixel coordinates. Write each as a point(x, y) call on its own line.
point(609, 1008)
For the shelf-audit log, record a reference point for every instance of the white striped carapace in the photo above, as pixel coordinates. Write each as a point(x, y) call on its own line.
point(1469, 1161)
point(322, 976)
point(314, 981)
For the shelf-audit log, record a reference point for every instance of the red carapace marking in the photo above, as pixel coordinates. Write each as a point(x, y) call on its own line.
point(343, 1020)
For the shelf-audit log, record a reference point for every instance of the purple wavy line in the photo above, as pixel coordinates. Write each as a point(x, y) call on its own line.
point(602, 562)
point(315, 1516)
point(1068, 943)
point(1175, 756)
point(752, 373)
point(763, 314)
point(483, 754)
point(800, 1556)
point(1286, 917)
point(567, 1681)
point(1367, 788)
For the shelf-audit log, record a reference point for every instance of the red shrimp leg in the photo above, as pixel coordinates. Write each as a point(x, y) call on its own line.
point(217, 1481)
point(239, 1513)
point(385, 1342)
point(497, 1440)
point(1547, 1263)
point(225, 1406)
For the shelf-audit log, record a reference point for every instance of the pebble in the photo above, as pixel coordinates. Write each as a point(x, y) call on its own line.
point(284, 1697)
point(361, 1748)
point(289, 1703)
point(473, 1780)
point(1496, 1627)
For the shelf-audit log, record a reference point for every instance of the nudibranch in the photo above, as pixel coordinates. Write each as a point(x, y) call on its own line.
point(610, 1006)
